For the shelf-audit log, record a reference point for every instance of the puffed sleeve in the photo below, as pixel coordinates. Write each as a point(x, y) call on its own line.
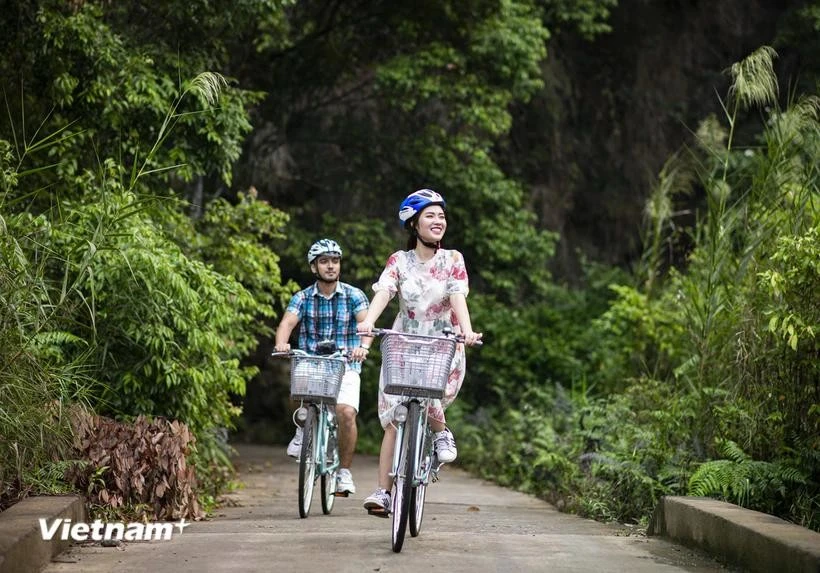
point(389, 279)
point(457, 282)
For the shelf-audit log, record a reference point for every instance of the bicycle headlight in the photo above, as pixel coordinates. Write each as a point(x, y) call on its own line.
point(301, 415)
point(400, 413)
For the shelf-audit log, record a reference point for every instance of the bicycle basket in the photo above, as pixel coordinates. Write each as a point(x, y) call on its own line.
point(316, 378)
point(416, 365)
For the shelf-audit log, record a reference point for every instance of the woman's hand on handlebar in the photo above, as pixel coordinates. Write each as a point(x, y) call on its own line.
point(365, 327)
point(471, 338)
point(282, 347)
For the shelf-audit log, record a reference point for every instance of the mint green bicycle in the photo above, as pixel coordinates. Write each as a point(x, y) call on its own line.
point(315, 382)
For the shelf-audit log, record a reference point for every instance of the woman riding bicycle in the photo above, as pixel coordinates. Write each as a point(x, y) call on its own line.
point(432, 286)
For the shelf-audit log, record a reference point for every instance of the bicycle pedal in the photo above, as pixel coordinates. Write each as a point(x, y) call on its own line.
point(378, 512)
point(342, 494)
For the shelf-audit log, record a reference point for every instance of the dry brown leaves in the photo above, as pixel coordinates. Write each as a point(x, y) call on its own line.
point(146, 465)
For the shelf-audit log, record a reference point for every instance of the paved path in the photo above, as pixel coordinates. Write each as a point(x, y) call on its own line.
point(469, 526)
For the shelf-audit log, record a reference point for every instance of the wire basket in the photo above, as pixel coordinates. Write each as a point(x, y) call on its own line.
point(416, 365)
point(316, 378)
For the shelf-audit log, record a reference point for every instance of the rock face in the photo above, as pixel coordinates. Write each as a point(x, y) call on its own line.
point(614, 109)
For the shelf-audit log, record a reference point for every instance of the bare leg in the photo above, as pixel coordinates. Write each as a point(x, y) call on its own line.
point(386, 458)
point(348, 434)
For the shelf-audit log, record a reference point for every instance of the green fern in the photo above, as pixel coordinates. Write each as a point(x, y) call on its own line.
point(743, 481)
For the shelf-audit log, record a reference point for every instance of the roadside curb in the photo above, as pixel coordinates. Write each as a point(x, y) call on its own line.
point(22, 547)
point(754, 540)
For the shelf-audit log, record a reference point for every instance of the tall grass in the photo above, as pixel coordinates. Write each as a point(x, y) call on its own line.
point(38, 387)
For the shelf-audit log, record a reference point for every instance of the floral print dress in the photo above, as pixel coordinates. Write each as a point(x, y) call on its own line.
point(424, 289)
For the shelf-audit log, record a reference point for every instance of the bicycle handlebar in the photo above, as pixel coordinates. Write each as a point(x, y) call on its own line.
point(296, 352)
point(447, 333)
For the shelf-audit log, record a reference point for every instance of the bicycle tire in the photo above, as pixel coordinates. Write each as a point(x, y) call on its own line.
point(331, 455)
point(307, 462)
point(420, 491)
point(403, 482)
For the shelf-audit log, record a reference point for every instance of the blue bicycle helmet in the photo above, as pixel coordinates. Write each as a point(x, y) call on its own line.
point(323, 247)
point(417, 201)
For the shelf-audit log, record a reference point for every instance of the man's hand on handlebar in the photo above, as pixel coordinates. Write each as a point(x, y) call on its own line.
point(282, 347)
point(359, 354)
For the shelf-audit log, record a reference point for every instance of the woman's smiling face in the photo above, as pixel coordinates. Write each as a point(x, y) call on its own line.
point(431, 224)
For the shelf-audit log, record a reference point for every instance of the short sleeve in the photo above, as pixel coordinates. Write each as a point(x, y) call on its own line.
point(389, 279)
point(295, 304)
point(457, 282)
point(358, 301)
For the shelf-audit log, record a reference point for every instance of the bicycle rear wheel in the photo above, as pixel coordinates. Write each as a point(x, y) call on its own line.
point(307, 462)
point(329, 430)
point(420, 491)
point(403, 482)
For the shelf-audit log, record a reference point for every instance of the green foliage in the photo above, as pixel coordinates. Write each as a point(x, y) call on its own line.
point(99, 64)
point(169, 332)
point(589, 17)
point(250, 225)
point(741, 480)
point(137, 309)
point(794, 314)
point(430, 103)
point(637, 333)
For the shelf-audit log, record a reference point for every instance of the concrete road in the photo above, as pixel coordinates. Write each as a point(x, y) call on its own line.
point(469, 526)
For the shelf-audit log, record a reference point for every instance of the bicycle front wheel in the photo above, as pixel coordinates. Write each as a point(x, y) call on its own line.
point(420, 491)
point(307, 462)
point(403, 482)
point(329, 431)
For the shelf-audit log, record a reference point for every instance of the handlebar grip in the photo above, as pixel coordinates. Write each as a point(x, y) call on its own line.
point(376, 332)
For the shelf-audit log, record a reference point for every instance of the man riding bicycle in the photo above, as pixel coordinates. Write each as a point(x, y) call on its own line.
point(328, 313)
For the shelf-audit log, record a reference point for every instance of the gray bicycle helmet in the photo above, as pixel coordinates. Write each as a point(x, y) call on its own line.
point(323, 247)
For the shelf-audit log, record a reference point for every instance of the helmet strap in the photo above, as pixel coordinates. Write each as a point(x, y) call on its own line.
point(435, 246)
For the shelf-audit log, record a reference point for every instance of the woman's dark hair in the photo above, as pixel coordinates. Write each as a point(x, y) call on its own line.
point(412, 240)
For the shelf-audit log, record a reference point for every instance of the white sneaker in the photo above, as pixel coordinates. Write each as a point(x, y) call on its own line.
point(445, 446)
point(378, 503)
point(344, 482)
point(295, 445)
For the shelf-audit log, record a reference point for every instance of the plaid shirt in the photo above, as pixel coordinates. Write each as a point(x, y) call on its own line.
point(318, 313)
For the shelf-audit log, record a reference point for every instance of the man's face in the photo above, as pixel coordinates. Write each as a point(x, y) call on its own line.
point(327, 267)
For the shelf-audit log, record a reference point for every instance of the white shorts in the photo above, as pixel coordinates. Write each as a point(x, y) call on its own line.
point(349, 390)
